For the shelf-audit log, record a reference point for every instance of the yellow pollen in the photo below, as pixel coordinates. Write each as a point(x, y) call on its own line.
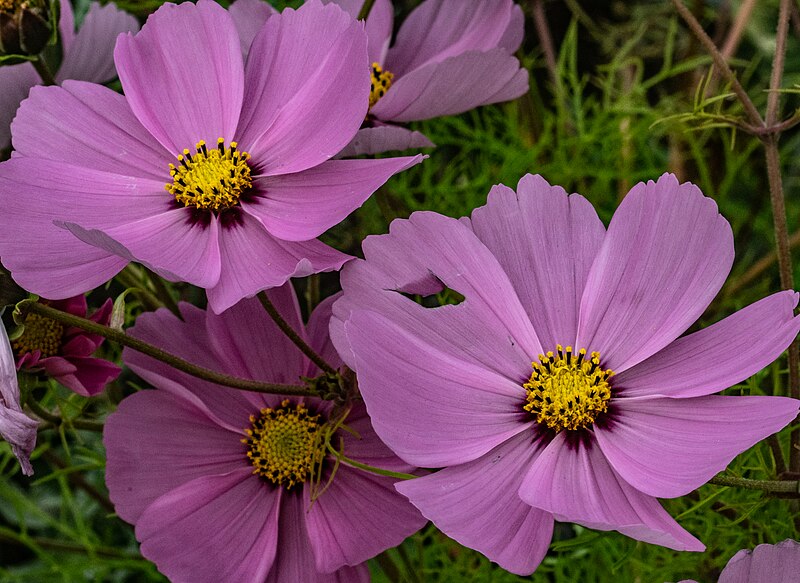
point(284, 444)
point(380, 83)
point(566, 390)
point(212, 180)
point(10, 6)
point(42, 334)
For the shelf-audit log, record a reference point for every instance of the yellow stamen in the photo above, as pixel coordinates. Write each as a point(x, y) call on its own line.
point(284, 444)
point(380, 83)
point(42, 334)
point(566, 390)
point(10, 6)
point(211, 180)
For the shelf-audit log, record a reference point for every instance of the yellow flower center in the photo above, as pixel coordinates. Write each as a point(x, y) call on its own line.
point(566, 390)
point(42, 334)
point(284, 444)
point(380, 83)
point(210, 180)
point(10, 6)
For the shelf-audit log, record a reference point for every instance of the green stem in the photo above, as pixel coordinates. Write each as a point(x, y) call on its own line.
point(163, 293)
point(770, 486)
point(128, 279)
point(44, 71)
point(161, 355)
point(292, 334)
point(78, 480)
point(57, 421)
point(371, 469)
point(366, 9)
point(778, 203)
point(719, 62)
point(57, 545)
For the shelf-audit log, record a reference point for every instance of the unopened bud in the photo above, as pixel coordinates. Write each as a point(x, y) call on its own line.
point(26, 28)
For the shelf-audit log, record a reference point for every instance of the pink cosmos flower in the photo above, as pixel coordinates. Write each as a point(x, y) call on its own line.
point(206, 171)
point(219, 482)
point(16, 428)
point(764, 564)
point(559, 388)
point(449, 56)
point(65, 352)
point(88, 56)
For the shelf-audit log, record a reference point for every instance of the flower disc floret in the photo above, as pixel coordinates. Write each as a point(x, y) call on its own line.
point(211, 180)
point(284, 444)
point(568, 391)
point(380, 82)
point(42, 334)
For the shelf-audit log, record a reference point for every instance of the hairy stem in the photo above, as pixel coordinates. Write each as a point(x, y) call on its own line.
point(44, 71)
point(720, 62)
point(366, 9)
point(778, 203)
point(769, 486)
point(161, 355)
point(292, 334)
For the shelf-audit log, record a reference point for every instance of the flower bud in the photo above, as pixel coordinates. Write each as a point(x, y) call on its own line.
point(26, 27)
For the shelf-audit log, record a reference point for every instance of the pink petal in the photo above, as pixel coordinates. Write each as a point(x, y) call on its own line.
point(248, 17)
point(16, 428)
point(452, 86)
point(422, 255)
point(15, 82)
point(66, 25)
point(155, 442)
point(385, 138)
point(306, 88)
point(184, 87)
point(546, 242)
point(214, 528)
point(294, 559)
point(254, 260)
point(91, 375)
point(250, 343)
point(719, 356)
point(302, 206)
point(365, 446)
point(228, 407)
point(170, 243)
point(669, 447)
point(319, 336)
point(764, 564)
point(90, 126)
point(378, 26)
point(665, 256)
point(573, 480)
point(515, 31)
point(47, 259)
point(430, 408)
point(358, 516)
point(477, 505)
point(90, 56)
point(439, 29)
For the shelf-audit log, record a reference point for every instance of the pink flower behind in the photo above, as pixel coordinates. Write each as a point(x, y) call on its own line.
point(65, 352)
point(16, 428)
point(449, 56)
point(206, 476)
point(778, 563)
point(88, 56)
point(208, 170)
point(559, 388)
